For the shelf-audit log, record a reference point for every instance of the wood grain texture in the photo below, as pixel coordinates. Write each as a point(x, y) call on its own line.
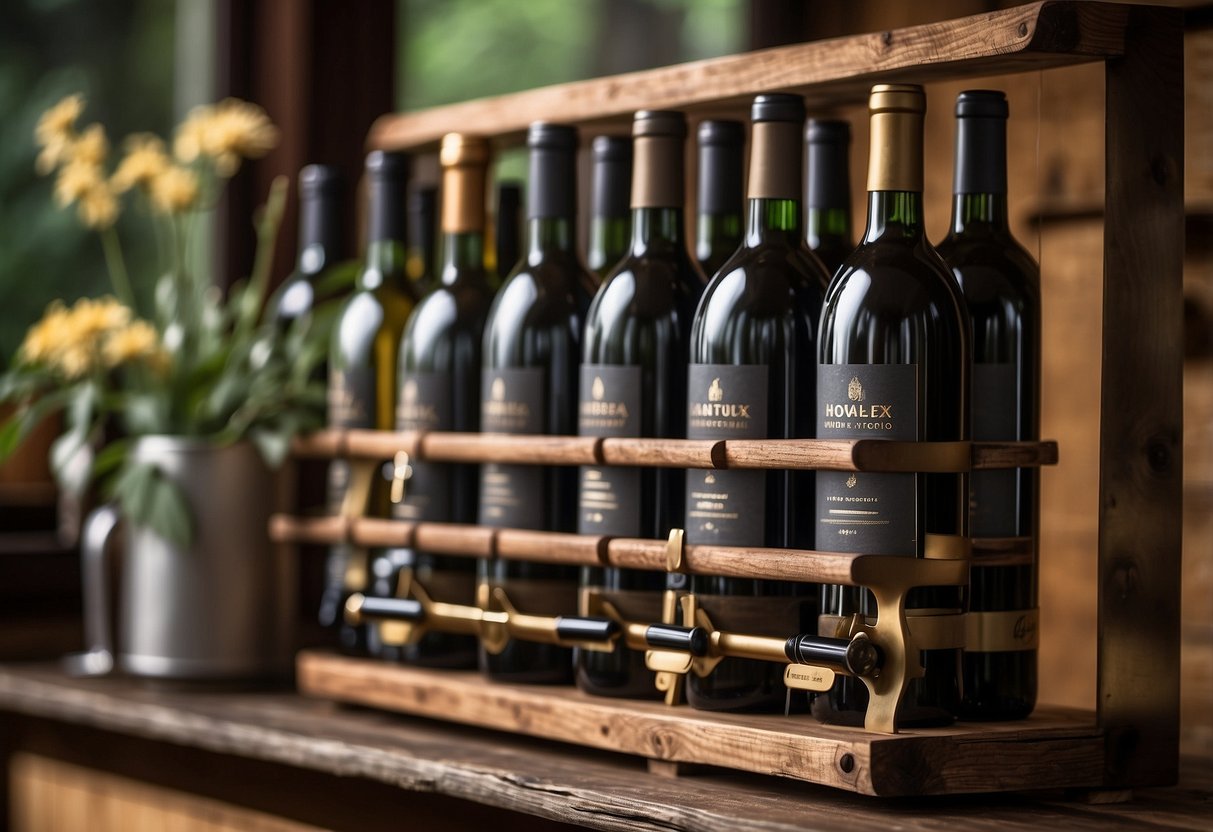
point(1050, 750)
point(871, 455)
point(580, 786)
point(1141, 424)
point(1013, 40)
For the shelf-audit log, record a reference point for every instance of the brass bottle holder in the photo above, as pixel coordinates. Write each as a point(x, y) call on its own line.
point(884, 651)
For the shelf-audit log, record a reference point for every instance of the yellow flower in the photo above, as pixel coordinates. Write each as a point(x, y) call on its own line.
point(76, 179)
point(90, 146)
point(93, 318)
point(174, 189)
point(225, 133)
point(145, 160)
point(58, 123)
point(46, 337)
point(53, 154)
point(71, 340)
point(138, 341)
point(98, 207)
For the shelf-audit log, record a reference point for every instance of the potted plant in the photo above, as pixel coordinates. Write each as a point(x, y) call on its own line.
point(178, 411)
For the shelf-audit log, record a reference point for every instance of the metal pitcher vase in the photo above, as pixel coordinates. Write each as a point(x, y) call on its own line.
point(221, 609)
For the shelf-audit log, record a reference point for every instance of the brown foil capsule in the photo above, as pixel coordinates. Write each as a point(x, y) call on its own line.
point(657, 173)
point(464, 161)
point(895, 161)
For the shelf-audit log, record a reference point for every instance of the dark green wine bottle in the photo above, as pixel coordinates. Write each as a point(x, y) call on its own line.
point(719, 226)
point(507, 229)
point(751, 377)
point(532, 346)
point(422, 231)
point(439, 389)
point(610, 221)
point(893, 364)
point(828, 204)
point(633, 383)
point(362, 370)
point(320, 245)
point(1001, 284)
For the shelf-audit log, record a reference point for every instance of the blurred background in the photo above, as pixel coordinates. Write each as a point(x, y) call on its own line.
point(324, 70)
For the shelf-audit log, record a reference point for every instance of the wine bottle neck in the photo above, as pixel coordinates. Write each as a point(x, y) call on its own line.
point(319, 233)
point(825, 226)
point(386, 220)
point(609, 238)
point(977, 213)
point(384, 266)
point(462, 258)
point(894, 213)
point(547, 235)
point(656, 228)
point(772, 220)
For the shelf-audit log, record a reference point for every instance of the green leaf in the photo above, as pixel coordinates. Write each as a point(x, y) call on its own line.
point(148, 498)
point(273, 445)
point(22, 423)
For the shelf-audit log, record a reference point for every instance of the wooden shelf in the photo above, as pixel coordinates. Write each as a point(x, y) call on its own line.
point(801, 454)
point(1053, 749)
point(839, 70)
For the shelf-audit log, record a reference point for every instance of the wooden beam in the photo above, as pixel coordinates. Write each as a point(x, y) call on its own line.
point(1141, 424)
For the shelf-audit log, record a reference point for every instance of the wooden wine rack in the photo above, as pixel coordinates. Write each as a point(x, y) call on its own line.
point(1132, 737)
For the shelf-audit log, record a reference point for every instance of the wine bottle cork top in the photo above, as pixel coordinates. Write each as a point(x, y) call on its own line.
point(319, 178)
point(778, 106)
point(463, 149)
point(660, 123)
point(381, 164)
point(727, 133)
point(612, 149)
point(548, 136)
point(897, 98)
point(982, 104)
point(827, 131)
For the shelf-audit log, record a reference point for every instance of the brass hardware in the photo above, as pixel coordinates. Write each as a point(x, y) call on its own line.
point(402, 472)
point(1006, 631)
point(674, 551)
point(671, 667)
point(809, 677)
point(353, 505)
point(937, 631)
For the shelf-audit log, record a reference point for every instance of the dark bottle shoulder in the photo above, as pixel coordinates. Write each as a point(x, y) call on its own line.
point(991, 268)
point(768, 281)
point(650, 285)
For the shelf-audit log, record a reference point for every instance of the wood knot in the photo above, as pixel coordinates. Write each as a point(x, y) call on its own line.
point(887, 38)
point(1023, 29)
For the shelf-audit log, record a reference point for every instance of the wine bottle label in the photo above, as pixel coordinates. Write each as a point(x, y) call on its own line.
point(993, 503)
point(726, 508)
point(424, 404)
point(609, 501)
point(1002, 632)
point(867, 513)
point(512, 401)
point(351, 404)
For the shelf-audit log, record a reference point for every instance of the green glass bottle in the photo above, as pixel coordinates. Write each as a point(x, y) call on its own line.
point(422, 229)
point(532, 347)
point(320, 246)
point(362, 371)
point(1001, 285)
point(719, 226)
point(610, 220)
point(439, 389)
point(751, 377)
point(633, 383)
point(893, 364)
point(828, 191)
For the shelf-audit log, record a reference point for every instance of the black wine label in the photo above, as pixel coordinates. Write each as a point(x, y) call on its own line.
point(609, 500)
point(512, 400)
point(424, 404)
point(351, 404)
point(726, 508)
point(861, 512)
point(993, 509)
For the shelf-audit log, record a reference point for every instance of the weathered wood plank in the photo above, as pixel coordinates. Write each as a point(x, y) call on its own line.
point(1141, 423)
point(1050, 750)
point(841, 69)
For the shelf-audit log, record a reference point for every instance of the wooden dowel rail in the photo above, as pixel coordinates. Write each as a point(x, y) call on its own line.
point(595, 550)
point(871, 455)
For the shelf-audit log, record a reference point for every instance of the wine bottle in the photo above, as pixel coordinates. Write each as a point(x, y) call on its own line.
point(751, 377)
point(422, 230)
point(1001, 284)
point(507, 228)
point(532, 343)
point(610, 223)
point(633, 383)
point(893, 364)
point(828, 203)
point(320, 245)
point(362, 370)
point(439, 390)
point(719, 227)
